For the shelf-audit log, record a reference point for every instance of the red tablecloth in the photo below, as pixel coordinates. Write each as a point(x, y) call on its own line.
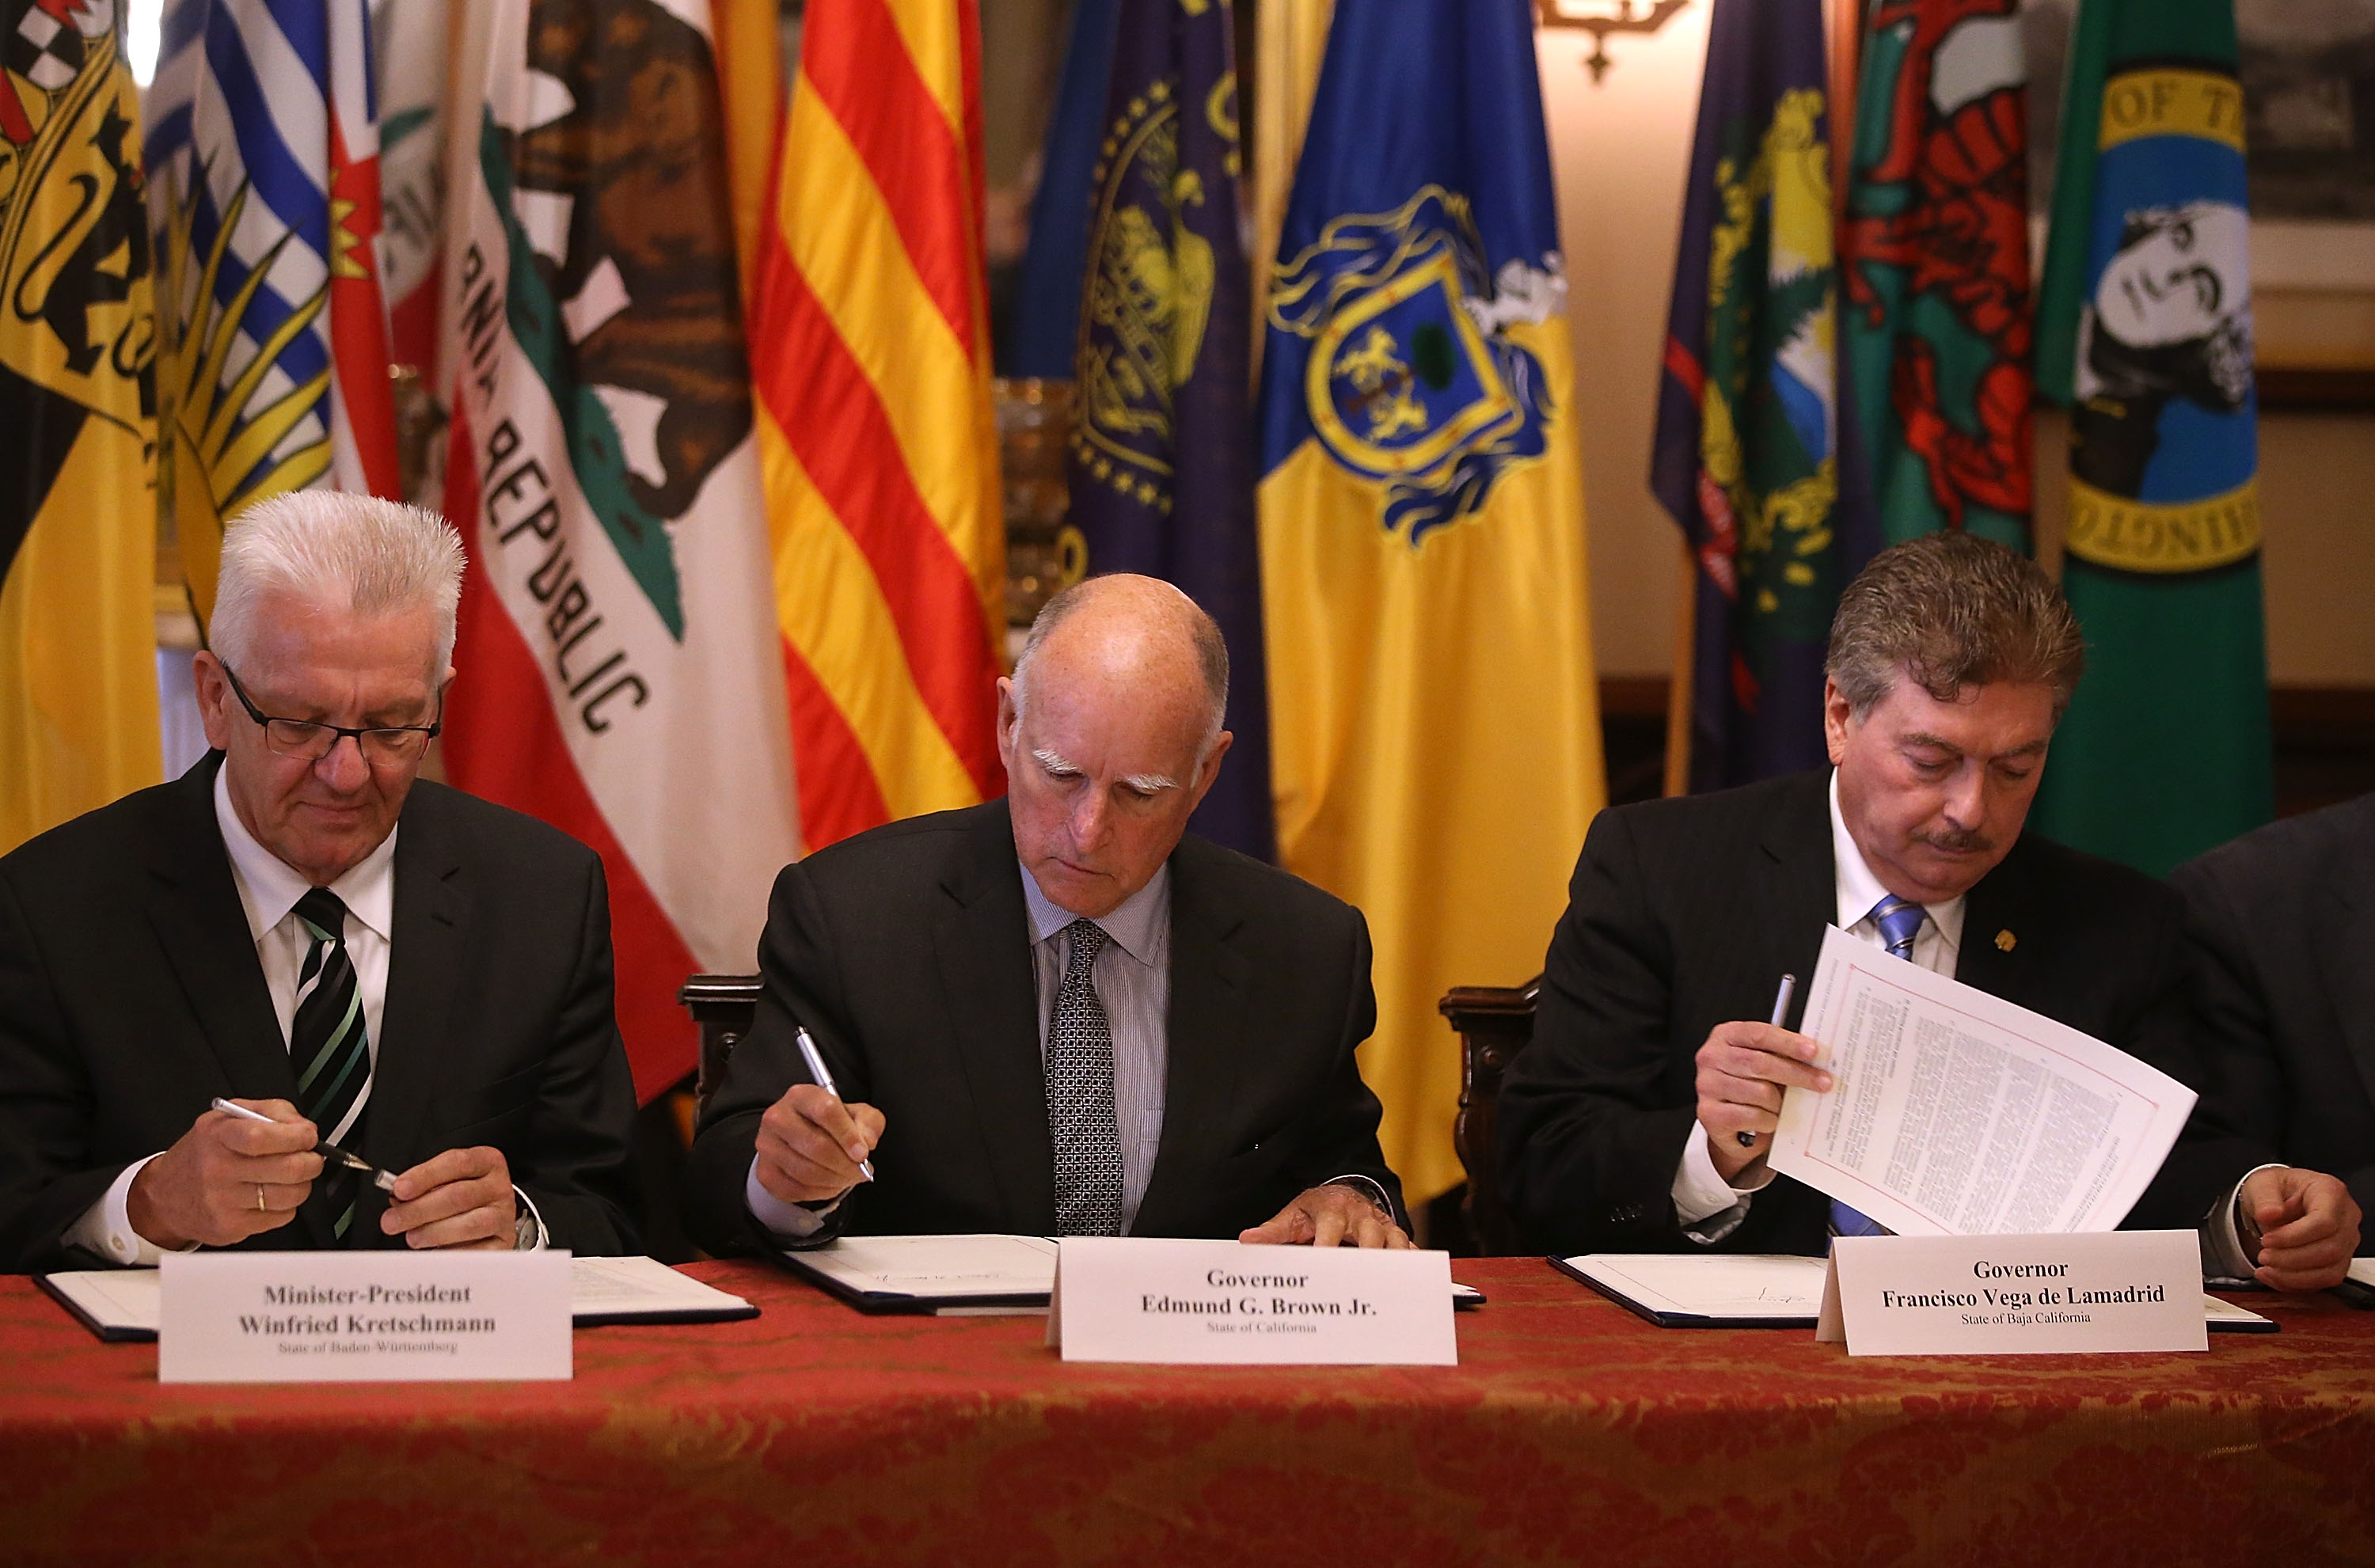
point(1571, 1431)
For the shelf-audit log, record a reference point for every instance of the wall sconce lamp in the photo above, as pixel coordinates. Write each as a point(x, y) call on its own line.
point(1601, 17)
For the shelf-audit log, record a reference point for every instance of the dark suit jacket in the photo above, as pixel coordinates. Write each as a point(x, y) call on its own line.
point(2281, 924)
point(1685, 913)
point(130, 996)
point(908, 954)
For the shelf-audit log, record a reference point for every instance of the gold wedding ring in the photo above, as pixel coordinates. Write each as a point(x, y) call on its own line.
point(259, 1199)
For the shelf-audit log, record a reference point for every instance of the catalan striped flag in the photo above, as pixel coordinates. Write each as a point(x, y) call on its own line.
point(264, 170)
point(870, 357)
point(77, 515)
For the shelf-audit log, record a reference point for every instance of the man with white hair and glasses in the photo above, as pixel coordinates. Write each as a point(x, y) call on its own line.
point(1058, 1013)
point(299, 928)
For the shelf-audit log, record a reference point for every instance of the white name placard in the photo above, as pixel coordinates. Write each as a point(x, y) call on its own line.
point(2015, 1295)
point(1183, 1303)
point(362, 1316)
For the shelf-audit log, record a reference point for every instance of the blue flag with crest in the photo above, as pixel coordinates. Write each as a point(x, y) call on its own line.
point(1162, 454)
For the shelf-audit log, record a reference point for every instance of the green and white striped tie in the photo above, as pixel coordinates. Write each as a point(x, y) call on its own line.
point(327, 1042)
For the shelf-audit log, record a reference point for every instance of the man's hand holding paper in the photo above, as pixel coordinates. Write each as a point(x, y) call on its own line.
point(1744, 1070)
point(1957, 1112)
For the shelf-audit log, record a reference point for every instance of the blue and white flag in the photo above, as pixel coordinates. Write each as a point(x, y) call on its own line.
point(264, 194)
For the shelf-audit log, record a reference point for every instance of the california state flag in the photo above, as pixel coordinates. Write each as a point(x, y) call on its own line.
point(619, 673)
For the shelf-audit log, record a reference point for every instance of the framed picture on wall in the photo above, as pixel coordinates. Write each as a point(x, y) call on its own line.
point(2308, 92)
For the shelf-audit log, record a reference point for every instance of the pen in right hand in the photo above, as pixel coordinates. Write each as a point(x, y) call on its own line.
point(823, 1077)
point(1780, 1013)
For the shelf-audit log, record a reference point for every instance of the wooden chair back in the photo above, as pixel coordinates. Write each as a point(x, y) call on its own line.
point(721, 1005)
point(1494, 1022)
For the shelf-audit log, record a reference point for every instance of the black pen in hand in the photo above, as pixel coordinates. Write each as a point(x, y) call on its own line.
point(1780, 1010)
point(329, 1151)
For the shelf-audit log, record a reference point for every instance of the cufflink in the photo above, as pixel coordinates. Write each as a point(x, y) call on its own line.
point(2005, 941)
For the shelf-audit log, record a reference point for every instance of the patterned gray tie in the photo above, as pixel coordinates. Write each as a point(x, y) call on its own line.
point(1080, 1067)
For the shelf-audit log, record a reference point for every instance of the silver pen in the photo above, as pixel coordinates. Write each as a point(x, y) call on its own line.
point(823, 1077)
point(329, 1151)
point(1780, 1011)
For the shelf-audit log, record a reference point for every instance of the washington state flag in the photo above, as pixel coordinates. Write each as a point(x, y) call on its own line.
point(2144, 329)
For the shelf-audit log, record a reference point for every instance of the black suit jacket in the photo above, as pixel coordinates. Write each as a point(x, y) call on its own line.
point(2281, 924)
point(1685, 913)
point(906, 951)
point(130, 996)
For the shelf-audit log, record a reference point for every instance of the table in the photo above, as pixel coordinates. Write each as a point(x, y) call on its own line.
point(1571, 1431)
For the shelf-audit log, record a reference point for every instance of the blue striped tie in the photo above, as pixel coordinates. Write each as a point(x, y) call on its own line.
point(328, 1045)
point(1900, 921)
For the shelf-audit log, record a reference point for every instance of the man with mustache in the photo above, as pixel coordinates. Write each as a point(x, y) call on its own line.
point(1641, 1116)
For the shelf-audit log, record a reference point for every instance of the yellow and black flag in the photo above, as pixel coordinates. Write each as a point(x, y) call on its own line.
point(77, 504)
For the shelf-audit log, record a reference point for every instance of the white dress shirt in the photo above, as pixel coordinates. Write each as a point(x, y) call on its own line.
point(269, 892)
point(1711, 1209)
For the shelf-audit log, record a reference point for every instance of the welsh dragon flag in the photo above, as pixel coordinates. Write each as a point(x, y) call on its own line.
point(619, 671)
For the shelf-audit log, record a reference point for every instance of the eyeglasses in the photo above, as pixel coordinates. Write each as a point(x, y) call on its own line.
point(389, 746)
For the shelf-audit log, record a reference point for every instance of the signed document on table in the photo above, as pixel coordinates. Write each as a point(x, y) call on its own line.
point(946, 1275)
point(977, 1276)
point(1761, 1290)
point(1953, 1113)
point(123, 1303)
point(1713, 1291)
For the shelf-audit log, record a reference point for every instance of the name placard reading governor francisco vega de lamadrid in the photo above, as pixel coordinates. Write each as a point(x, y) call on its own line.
point(1132, 1299)
point(2015, 1295)
point(362, 1316)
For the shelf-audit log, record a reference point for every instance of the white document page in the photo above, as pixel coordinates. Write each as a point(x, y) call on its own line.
point(1784, 1288)
point(112, 1298)
point(1953, 1112)
point(630, 1287)
point(606, 1286)
point(929, 1267)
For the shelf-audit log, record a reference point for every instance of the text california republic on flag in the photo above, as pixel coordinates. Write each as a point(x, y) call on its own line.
point(618, 672)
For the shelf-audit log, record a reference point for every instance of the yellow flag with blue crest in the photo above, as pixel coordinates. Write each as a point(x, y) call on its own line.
point(1434, 719)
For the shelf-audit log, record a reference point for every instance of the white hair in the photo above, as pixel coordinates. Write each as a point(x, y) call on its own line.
point(350, 554)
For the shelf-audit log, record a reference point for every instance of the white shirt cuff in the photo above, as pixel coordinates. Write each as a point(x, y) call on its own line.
point(105, 1228)
point(789, 1221)
point(1708, 1207)
point(2225, 1237)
